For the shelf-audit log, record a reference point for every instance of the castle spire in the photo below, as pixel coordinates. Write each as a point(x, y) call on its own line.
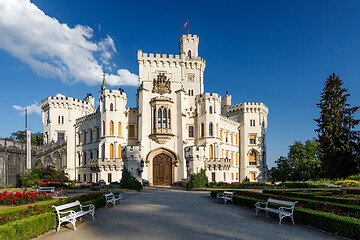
point(103, 85)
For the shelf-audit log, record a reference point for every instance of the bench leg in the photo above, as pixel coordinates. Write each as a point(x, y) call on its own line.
point(92, 214)
point(280, 220)
point(292, 220)
point(256, 210)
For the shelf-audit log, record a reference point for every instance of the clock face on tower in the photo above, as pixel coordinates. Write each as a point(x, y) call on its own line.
point(191, 77)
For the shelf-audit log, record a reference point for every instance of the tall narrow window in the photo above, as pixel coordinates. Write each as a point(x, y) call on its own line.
point(252, 158)
point(202, 130)
point(221, 133)
point(159, 118)
point(189, 54)
point(111, 107)
point(226, 137)
point(232, 158)
point(103, 128)
point(111, 151)
point(109, 178)
point(210, 129)
point(169, 121)
point(119, 151)
point(237, 158)
point(91, 135)
point(217, 151)
point(103, 152)
point(210, 109)
point(62, 119)
point(211, 152)
point(111, 128)
point(252, 139)
point(217, 129)
point(119, 128)
point(132, 131)
point(84, 158)
point(231, 136)
point(191, 131)
point(154, 120)
point(253, 176)
point(164, 118)
point(236, 139)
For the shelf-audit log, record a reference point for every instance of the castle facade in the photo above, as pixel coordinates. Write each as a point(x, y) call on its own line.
point(176, 129)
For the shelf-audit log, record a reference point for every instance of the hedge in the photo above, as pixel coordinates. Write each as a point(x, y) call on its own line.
point(340, 225)
point(36, 225)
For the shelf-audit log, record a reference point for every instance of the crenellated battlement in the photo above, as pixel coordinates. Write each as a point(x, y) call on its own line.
point(205, 96)
point(169, 60)
point(65, 102)
point(87, 118)
point(248, 107)
point(113, 93)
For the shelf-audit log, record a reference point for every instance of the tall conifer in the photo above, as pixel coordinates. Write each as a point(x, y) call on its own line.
point(338, 139)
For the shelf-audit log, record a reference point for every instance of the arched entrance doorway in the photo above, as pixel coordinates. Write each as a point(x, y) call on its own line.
point(162, 169)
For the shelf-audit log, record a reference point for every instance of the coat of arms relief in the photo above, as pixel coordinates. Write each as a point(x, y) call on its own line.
point(161, 84)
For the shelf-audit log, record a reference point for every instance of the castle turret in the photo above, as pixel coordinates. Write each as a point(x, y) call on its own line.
point(225, 103)
point(189, 45)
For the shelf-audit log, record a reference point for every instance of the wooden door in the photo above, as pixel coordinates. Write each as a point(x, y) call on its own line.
point(162, 169)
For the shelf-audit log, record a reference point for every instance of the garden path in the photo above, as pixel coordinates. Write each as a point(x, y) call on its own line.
point(172, 213)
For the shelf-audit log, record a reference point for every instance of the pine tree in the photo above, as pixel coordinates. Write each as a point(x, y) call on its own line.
point(338, 139)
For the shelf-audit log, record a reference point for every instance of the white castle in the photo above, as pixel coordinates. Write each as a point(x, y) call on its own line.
point(175, 130)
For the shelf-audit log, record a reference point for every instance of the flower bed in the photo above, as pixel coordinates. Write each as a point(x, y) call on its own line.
point(353, 183)
point(29, 226)
point(23, 198)
point(9, 215)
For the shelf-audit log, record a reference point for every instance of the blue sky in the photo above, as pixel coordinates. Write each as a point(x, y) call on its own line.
point(275, 52)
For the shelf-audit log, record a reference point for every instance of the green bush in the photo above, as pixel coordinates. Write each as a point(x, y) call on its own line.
point(354, 177)
point(48, 174)
point(198, 180)
point(128, 181)
point(300, 185)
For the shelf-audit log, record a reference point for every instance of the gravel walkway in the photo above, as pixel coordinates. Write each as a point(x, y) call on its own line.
point(171, 213)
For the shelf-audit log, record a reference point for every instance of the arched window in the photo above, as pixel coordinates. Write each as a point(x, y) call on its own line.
point(252, 158)
point(164, 118)
point(159, 118)
point(202, 130)
point(111, 107)
point(221, 137)
point(192, 92)
point(111, 128)
point(169, 118)
point(189, 92)
point(210, 129)
point(189, 53)
point(210, 109)
point(119, 128)
point(84, 158)
point(103, 152)
point(103, 128)
point(111, 151)
point(211, 150)
point(62, 119)
point(59, 120)
point(119, 151)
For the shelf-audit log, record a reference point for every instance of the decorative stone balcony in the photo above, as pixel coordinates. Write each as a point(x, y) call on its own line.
point(161, 135)
point(218, 164)
point(98, 164)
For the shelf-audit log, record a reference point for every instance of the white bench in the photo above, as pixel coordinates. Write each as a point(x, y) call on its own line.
point(46, 189)
point(282, 211)
point(71, 215)
point(111, 198)
point(227, 196)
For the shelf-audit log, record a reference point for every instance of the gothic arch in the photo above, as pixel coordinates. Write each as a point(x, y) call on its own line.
point(48, 161)
point(57, 159)
point(155, 152)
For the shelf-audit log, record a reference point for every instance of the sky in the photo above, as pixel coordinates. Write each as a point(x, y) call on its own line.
point(276, 52)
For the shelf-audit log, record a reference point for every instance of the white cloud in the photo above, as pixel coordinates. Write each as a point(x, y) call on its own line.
point(60, 95)
point(33, 108)
point(53, 49)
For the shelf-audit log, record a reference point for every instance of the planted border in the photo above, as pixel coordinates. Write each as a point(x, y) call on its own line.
point(36, 225)
point(340, 225)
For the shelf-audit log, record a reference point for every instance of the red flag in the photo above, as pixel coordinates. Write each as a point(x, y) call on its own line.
point(187, 22)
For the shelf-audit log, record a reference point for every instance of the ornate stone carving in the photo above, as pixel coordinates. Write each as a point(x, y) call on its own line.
point(161, 84)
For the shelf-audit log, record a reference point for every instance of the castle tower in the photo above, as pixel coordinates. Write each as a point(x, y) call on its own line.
point(189, 45)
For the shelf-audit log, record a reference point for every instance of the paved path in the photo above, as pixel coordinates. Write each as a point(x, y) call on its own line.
point(164, 213)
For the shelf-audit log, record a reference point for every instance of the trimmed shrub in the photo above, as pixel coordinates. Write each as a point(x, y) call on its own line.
point(340, 225)
point(128, 181)
point(198, 180)
point(300, 185)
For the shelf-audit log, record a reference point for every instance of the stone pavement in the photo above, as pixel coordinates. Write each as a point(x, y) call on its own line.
point(172, 213)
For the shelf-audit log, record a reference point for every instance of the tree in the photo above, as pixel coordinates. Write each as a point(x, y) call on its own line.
point(128, 181)
point(302, 163)
point(20, 136)
point(198, 180)
point(47, 174)
point(338, 139)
